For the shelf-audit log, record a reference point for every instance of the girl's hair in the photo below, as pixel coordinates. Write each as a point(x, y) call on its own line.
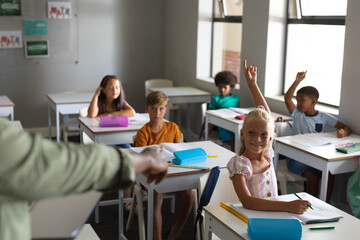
point(258, 113)
point(225, 77)
point(118, 103)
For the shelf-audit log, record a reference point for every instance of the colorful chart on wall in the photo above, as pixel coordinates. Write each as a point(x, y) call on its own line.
point(10, 8)
point(10, 39)
point(35, 27)
point(59, 10)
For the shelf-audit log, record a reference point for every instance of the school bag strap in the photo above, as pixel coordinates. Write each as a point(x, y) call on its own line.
point(206, 196)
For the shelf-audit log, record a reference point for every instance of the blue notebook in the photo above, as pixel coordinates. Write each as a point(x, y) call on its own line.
point(189, 156)
point(274, 228)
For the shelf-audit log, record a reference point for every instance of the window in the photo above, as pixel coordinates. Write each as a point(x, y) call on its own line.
point(315, 42)
point(220, 49)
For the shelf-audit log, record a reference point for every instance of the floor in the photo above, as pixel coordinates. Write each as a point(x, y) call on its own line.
point(107, 229)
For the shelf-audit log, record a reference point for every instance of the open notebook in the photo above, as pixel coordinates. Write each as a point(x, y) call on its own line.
point(320, 213)
point(62, 218)
point(169, 149)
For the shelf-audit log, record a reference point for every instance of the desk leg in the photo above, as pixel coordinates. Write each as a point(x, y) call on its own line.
point(208, 230)
point(324, 183)
point(12, 114)
point(49, 121)
point(121, 215)
point(206, 129)
point(57, 126)
point(150, 216)
point(237, 139)
point(188, 118)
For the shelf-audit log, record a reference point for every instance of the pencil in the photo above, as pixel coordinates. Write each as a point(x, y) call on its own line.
point(321, 228)
point(233, 211)
point(299, 197)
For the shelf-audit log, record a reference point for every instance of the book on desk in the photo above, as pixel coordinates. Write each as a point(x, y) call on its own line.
point(320, 213)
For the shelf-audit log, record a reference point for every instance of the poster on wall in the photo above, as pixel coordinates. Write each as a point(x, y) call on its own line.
point(59, 10)
point(10, 39)
point(35, 27)
point(37, 49)
point(10, 8)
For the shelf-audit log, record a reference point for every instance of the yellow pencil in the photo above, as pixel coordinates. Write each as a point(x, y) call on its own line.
point(233, 211)
point(211, 156)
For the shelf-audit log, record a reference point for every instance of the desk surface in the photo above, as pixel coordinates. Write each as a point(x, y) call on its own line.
point(6, 102)
point(240, 122)
point(93, 124)
point(181, 91)
point(326, 152)
point(62, 217)
point(70, 97)
point(347, 227)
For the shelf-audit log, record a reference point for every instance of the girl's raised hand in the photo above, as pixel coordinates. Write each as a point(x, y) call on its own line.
point(298, 206)
point(300, 76)
point(250, 72)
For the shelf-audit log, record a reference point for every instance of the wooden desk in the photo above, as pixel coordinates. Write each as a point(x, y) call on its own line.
point(111, 135)
point(226, 226)
point(232, 124)
point(66, 103)
point(325, 157)
point(62, 218)
point(178, 95)
point(179, 179)
point(6, 107)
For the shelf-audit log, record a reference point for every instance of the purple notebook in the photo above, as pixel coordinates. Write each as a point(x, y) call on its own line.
point(114, 121)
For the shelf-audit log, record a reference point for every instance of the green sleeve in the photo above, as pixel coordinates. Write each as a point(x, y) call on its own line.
point(33, 168)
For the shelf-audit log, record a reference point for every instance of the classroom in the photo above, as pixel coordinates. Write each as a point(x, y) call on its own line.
point(140, 40)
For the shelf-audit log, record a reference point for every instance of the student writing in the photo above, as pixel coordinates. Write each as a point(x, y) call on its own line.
point(109, 99)
point(225, 81)
point(308, 120)
point(252, 171)
point(158, 131)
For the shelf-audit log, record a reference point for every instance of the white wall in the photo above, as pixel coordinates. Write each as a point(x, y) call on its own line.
point(350, 97)
point(119, 37)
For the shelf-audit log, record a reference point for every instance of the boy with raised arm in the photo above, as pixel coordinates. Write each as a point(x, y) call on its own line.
point(309, 120)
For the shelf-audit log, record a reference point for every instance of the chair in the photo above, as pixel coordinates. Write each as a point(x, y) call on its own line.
point(223, 192)
point(283, 174)
point(153, 83)
point(70, 125)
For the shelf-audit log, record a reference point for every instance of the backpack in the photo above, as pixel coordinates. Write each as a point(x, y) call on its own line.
point(206, 196)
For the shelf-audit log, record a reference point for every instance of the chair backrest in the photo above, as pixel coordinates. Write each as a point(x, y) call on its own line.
point(283, 128)
point(83, 112)
point(157, 83)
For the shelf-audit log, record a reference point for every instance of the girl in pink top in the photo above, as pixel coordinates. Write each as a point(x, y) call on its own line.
point(252, 172)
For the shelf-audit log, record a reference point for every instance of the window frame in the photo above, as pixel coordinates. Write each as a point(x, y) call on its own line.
point(224, 19)
point(311, 20)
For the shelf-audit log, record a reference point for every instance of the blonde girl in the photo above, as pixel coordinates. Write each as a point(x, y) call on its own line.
point(252, 171)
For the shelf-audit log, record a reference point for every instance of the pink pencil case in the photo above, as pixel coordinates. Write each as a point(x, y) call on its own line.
point(114, 121)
